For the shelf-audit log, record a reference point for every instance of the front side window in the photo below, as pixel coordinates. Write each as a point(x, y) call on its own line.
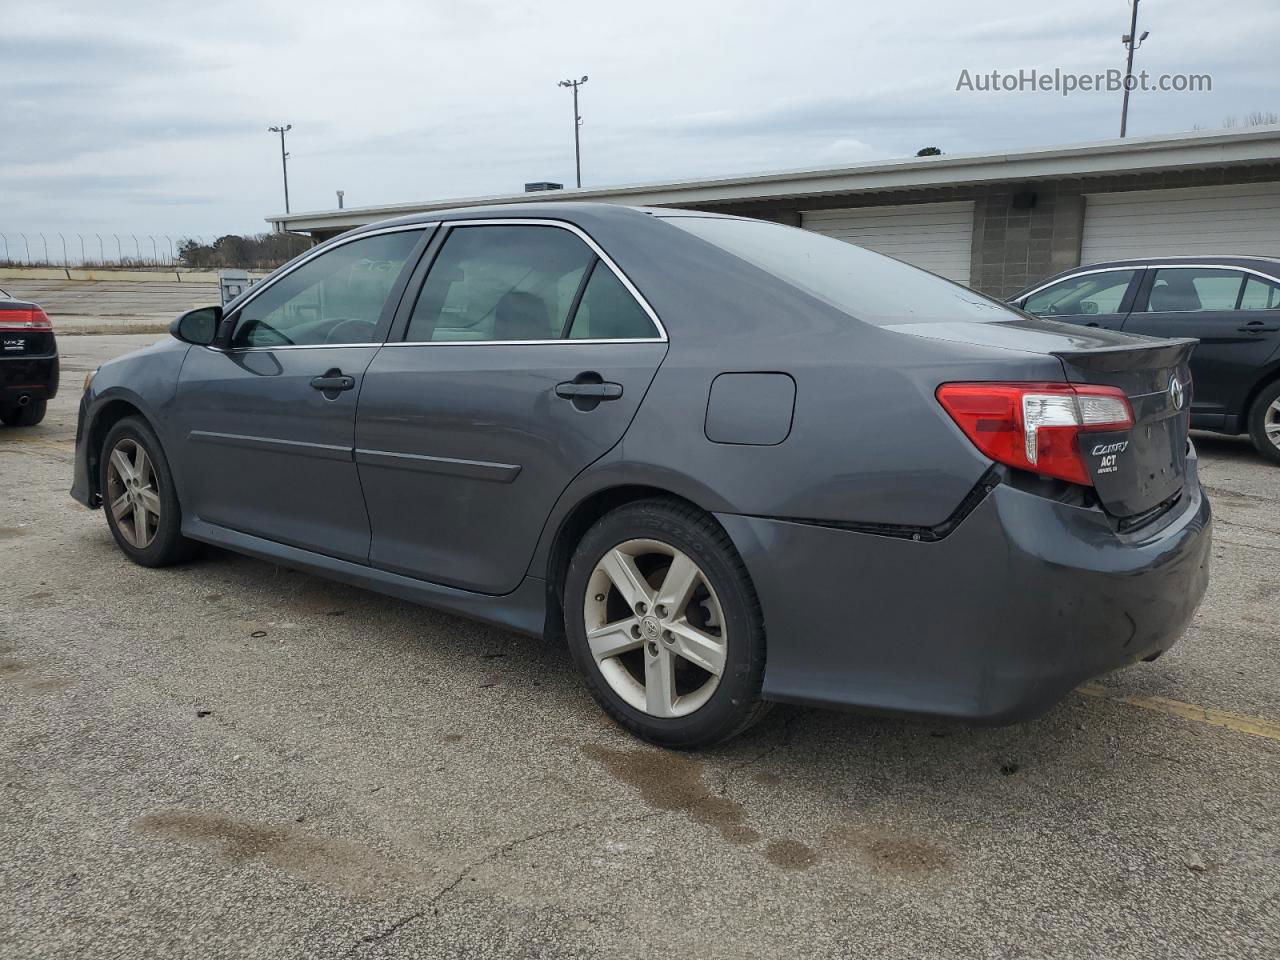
point(500, 283)
point(1085, 295)
point(336, 298)
point(1260, 294)
point(1192, 289)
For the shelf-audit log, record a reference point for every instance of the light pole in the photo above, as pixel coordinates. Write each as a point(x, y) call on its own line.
point(284, 159)
point(1131, 45)
point(577, 122)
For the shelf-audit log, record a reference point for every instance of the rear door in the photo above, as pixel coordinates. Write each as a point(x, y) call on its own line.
point(1234, 314)
point(267, 425)
point(1093, 298)
point(522, 359)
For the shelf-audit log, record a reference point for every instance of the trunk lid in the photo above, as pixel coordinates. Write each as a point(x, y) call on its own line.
point(1136, 470)
point(17, 342)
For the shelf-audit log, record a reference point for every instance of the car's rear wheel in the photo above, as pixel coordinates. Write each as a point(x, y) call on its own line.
point(138, 496)
point(23, 416)
point(1264, 422)
point(665, 625)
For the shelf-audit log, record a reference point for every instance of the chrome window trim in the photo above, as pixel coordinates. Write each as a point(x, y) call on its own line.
point(1154, 266)
point(1071, 276)
point(260, 288)
point(593, 246)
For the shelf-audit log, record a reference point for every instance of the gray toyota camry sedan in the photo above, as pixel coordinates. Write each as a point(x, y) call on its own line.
point(731, 462)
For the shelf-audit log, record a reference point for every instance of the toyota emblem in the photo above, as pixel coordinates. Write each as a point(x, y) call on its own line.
point(1175, 393)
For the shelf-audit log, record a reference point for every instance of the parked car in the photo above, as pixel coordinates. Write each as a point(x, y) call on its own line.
point(734, 462)
point(1230, 304)
point(28, 362)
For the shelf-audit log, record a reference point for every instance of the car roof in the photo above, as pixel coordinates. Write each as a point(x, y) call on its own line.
point(1224, 259)
point(575, 212)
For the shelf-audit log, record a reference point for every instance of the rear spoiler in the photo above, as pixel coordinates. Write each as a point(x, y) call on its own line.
point(1155, 352)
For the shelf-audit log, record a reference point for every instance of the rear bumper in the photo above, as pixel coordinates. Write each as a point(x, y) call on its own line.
point(34, 377)
point(1023, 601)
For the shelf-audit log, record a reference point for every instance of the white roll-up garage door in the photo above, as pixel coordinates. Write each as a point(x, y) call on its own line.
point(935, 236)
point(1243, 219)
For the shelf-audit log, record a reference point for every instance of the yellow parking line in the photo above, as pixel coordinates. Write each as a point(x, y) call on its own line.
point(1176, 708)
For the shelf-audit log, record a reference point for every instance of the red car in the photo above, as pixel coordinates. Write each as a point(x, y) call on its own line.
point(28, 362)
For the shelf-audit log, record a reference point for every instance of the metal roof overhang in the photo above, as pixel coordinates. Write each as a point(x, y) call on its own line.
point(1104, 158)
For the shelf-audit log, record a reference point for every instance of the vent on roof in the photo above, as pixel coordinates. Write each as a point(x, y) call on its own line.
point(539, 185)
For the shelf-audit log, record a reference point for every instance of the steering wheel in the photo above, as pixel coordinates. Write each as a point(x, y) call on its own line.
point(358, 330)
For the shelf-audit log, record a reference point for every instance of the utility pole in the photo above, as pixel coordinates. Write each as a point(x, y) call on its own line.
point(284, 159)
point(577, 122)
point(1131, 44)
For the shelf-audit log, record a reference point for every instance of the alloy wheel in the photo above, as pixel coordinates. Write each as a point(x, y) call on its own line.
point(132, 493)
point(1271, 423)
point(655, 628)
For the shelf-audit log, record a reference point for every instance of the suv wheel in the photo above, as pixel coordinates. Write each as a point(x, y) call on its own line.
point(665, 625)
point(138, 496)
point(1264, 422)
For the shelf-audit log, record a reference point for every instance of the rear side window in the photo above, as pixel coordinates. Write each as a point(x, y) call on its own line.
point(1260, 295)
point(496, 283)
point(865, 285)
point(336, 298)
point(1193, 289)
point(608, 311)
point(1084, 295)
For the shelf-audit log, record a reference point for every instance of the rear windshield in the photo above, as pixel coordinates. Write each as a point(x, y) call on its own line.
point(866, 285)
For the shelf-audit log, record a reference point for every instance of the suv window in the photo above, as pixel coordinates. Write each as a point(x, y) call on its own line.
point(336, 298)
point(500, 283)
point(1083, 295)
point(1190, 289)
point(608, 311)
point(1260, 295)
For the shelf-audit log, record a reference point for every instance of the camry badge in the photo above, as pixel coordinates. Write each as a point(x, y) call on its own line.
point(1175, 393)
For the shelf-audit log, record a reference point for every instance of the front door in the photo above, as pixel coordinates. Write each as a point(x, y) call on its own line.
point(1097, 298)
point(267, 425)
point(522, 361)
point(1235, 316)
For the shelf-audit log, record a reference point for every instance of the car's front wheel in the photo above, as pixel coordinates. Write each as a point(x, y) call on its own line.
point(138, 496)
point(665, 625)
point(1264, 422)
point(23, 416)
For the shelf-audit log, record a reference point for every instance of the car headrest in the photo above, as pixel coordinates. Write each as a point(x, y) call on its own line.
point(1181, 296)
point(521, 316)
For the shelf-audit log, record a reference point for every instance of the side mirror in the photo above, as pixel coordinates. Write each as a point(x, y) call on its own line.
point(199, 326)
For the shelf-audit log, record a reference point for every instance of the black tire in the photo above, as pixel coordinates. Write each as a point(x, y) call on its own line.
point(1258, 422)
point(168, 546)
point(735, 703)
point(28, 416)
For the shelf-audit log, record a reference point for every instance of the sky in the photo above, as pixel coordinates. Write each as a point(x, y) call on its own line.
point(148, 117)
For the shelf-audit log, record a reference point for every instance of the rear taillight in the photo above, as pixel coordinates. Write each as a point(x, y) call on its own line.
point(1035, 426)
point(24, 318)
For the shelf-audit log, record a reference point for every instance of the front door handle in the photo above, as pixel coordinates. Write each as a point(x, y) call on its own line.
point(333, 381)
point(1257, 326)
point(589, 391)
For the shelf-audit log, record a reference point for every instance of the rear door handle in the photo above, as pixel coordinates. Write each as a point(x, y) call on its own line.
point(333, 382)
point(1257, 326)
point(589, 391)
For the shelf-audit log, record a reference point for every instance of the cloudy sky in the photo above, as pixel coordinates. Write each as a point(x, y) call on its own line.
point(151, 117)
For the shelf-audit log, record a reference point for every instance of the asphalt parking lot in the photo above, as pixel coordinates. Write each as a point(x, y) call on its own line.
point(230, 759)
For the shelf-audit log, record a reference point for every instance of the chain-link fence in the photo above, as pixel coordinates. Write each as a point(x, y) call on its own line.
point(143, 251)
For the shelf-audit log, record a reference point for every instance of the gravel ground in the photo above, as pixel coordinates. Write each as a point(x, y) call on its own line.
point(230, 759)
